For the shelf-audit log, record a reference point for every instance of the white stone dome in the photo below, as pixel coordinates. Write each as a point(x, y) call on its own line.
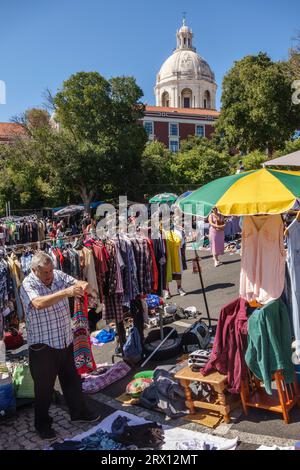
point(185, 64)
point(185, 79)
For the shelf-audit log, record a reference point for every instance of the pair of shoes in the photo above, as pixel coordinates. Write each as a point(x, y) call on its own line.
point(47, 433)
point(167, 295)
point(218, 264)
point(90, 418)
point(181, 292)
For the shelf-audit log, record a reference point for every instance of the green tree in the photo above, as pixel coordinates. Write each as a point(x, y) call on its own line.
point(155, 169)
point(257, 110)
point(99, 122)
point(197, 163)
point(33, 119)
point(254, 160)
point(26, 178)
point(294, 58)
point(290, 147)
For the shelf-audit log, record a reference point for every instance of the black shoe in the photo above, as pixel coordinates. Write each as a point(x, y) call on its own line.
point(90, 418)
point(47, 433)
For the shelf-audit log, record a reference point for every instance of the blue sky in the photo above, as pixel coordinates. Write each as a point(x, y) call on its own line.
point(43, 42)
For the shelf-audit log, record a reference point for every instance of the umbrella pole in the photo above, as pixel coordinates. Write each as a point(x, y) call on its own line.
point(203, 290)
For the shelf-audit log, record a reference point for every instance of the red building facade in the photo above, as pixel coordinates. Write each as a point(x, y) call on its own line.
point(172, 125)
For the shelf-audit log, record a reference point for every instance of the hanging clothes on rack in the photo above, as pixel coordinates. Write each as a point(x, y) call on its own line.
point(160, 251)
point(87, 264)
point(292, 284)
point(263, 259)
point(174, 259)
point(6, 291)
point(112, 307)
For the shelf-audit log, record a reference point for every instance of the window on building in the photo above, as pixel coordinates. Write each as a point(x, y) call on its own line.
point(174, 145)
point(148, 125)
point(200, 131)
point(165, 99)
point(173, 129)
point(207, 100)
point(186, 102)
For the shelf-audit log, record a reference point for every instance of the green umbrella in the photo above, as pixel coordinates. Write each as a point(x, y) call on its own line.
point(163, 198)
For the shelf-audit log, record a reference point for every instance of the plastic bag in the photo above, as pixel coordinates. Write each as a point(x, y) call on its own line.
point(23, 382)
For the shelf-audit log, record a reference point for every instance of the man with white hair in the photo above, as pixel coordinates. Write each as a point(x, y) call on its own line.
point(44, 294)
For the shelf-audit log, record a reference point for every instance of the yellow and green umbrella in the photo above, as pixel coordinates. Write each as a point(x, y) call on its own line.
point(254, 192)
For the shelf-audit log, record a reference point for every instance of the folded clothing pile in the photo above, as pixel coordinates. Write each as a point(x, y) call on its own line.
point(148, 435)
point(198, 359)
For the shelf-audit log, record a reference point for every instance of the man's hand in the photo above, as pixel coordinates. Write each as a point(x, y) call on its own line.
point(75, 291)
point(84, 285)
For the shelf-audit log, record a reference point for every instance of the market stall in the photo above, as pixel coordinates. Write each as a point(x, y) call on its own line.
point(253, 343)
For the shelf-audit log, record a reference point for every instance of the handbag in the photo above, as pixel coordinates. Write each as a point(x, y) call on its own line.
point(23, 382)
point(13, 339)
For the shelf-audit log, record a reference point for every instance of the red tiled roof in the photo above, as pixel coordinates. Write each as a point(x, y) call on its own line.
point(8, 130)
point(190, 111)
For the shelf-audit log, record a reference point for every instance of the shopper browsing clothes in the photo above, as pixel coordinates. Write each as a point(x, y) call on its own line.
point(44, 294)
point(216, 235)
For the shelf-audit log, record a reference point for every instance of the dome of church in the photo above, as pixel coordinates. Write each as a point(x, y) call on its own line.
point(185, 79)
point(185, 64)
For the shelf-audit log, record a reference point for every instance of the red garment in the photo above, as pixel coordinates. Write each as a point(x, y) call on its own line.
point(230, 345)
point(61, 258)
point(101, 257)
point(154, 265)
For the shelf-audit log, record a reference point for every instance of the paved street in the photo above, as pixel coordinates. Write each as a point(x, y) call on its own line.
point(259, 428)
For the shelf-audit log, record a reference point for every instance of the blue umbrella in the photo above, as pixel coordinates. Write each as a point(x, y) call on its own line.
point(186, 194)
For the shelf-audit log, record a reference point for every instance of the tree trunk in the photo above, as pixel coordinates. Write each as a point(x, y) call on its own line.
point(87, 197)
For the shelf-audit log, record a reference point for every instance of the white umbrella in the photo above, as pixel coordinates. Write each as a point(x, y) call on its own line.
point(68, 210)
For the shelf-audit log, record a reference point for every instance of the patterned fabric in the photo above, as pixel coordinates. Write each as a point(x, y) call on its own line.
point(144, 264)
point(51, 325)
point(112, 302)
point(95, 383)
point(26, 263)
point(4, 283)
point(113, 308)
point(130, 280)
point(83, 355)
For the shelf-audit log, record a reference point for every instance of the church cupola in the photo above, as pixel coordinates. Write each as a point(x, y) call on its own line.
point(185, 37)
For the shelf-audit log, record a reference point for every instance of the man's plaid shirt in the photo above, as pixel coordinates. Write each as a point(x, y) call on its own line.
point(51, 325)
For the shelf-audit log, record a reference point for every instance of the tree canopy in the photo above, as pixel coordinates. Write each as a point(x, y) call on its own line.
point(257, 109)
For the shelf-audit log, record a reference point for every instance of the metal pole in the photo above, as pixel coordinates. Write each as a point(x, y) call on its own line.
point(203, 289)
point(161, 324)
point(158, 347)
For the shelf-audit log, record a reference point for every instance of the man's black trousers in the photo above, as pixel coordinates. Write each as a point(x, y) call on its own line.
point(46, 364)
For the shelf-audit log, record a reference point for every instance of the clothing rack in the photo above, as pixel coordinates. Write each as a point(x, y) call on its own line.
point(20, 245)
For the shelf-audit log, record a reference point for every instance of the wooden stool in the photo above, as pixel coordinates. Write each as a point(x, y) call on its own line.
point(217, 381)
point(283, 399)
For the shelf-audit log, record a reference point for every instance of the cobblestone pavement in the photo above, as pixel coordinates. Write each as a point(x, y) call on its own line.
point(18, 433)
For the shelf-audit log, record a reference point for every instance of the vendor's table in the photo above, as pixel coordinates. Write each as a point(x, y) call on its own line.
point(217, 381)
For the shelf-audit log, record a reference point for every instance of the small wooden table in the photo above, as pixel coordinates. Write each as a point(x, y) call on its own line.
point(217, 381)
